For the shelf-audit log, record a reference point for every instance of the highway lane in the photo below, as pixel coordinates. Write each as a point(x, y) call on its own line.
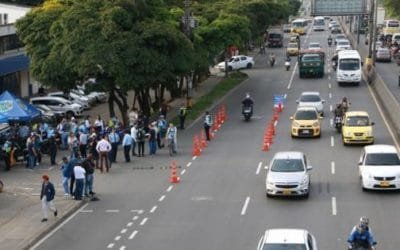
point(208, 209)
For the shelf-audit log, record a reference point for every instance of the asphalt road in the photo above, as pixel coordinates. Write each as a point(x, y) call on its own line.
point(221, 202)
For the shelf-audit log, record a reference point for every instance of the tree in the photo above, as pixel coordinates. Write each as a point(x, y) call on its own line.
point(393, 7)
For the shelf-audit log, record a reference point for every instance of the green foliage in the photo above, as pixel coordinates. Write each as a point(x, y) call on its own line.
point(393, 7)
point(24, 2)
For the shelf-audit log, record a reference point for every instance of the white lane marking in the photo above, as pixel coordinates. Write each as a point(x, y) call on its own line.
point(246, 203)
point(169, 188)
point(329, 70)
point(276, 123)
point(161, 198)
point(292, 76)
point(259, 168)
point(124, 230)
point(332, 141)
point(188, 165)
point(137, 211)
point(112, 211)
point(330, 85)
point(117, 238)
point(122, 248)
point(383, 117)
point(329, 77)
point(331, 122)
point(284, 96)
point(111, 245)
point(332, 167)
point(129, 224)
point(330, 95)
point(87, 211)
point(58, 227)
point(133, 234)
point(330, 107)
point(144, 221)
point(153, 209)
point(194, 157)
point(135, 217)
point(334, 210)
point(183, 171)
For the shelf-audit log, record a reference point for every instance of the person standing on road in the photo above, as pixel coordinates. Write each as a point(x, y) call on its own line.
point(171, 137)
point(31, 152)
point(140, 137)
point(182, 116)
point(162, 130)
point(66, 170)
point(47, 196)
point(52, 150)
point(114, 139)
point(73, 144)
point(103, 147)
point(133, 135)
point(207, 124)
point(79, 173)
point(83, 143)
point(89, 167)
point(127, 142)
point(152, 138)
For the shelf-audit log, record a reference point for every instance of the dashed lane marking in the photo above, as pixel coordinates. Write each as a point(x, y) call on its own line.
point(259, 168)
point(246, 203)
point(284, 96)
point(189, 164)
point(331, 122)
point(117, 238)
point(161, 198)
point(183, 171)
point(122, 248)
point(329, 85)
point(133, 234)
point(144, 221)
point(139, 211)
point(330, 108)
point(329, 77)
point(153, 209)
point(169, 188)
point(292, 76)
point(330, 95)
point(332, 167)
point(194, 158)
point(111, 245)
point(334, 209)
point(124, 230)
point(332, 141)
point(135, 217)
point(87, 211)
point(129, 224)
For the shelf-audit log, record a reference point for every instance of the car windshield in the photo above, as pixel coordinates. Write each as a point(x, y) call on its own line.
point(277, 246)
point(292, 45)
point(357, 121)
point(387, 159)
point(310, 98)
point(340, 37)
point(311, 58)
point(306, 115)
point(287, 165)
point(274, 36)
point(343, 43)
point(349, 64)
point(315, 46)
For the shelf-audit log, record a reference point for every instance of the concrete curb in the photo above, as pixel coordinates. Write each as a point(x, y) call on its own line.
point(38, 237)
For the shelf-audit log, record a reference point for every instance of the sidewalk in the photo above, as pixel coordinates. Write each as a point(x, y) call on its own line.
point(20, 206)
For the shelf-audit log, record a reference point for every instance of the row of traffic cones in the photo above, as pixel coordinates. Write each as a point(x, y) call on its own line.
point(199, 141)
point(270, 128)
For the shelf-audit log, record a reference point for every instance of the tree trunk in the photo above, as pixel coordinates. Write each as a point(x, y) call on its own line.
point(111, 98)
point(122, 105)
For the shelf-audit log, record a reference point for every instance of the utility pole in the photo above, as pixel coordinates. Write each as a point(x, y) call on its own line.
point(371, 28)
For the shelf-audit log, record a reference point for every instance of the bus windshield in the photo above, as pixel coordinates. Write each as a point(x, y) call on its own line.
point(349, 64)
point(319, 22)
point(393, 24)
point(297, 24)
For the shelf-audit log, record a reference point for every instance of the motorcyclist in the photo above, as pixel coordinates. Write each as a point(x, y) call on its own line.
point(344, 104)
point(272, 59)
point(361, 237)
point(248, 102)
point(329, 40)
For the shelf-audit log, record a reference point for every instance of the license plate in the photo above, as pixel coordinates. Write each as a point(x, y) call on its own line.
point(286, 192)
point(384, 184)
point(306, 132)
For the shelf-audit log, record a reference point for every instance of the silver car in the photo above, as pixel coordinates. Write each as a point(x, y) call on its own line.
point(288, 175)
point(312, 99)
point(383, 55)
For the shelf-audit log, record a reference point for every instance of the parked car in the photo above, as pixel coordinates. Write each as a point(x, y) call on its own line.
point(379, 167)
point(287, 239)
point(311, 99)
point(84, 102)
point(306, 122)
point(59, 104)
point(57, 113)
point(288, 174)
point(237, 62)
point(383, 54)
point(357, 128)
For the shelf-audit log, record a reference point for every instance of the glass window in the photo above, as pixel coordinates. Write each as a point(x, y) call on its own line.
point(357, 121)
point(306, 115)
point(349, 64)
point(277, 246)
point(310, 98)
point(382, 159)
point(287, 165)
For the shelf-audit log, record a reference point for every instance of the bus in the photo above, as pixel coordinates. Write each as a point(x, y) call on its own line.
point(299, 26)
point(319, 23)
point(390, 27)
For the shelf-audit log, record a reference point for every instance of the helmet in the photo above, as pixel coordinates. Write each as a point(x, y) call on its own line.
point(361, 227)
point(364, 220)
point(247, 95)
point(344, 99)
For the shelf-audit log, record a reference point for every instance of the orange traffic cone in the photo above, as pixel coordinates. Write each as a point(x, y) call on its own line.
point(196, 146)
point(265, 146)
point(203, 140)
point(223, 110)
point(275, 117)
point(174, 175)
point(212, 135)
point(280, 107)
point(268, 138)
point(215, 124)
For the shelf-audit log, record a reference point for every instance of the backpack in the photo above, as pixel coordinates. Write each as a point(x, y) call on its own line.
point(162, 124)
point(140, 134)
point(182, 111)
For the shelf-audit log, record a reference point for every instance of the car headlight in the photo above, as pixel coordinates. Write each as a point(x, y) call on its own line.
point(270, 183)
point(315, 124)
point(348, 134)
point(295, 124)
point(304, 181)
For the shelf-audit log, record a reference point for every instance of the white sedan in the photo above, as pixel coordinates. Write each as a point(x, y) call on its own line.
point(313, 99)
point(343, 44)
point(237, 62)
point(379, 167)
point(314, 46)
point(287, 239)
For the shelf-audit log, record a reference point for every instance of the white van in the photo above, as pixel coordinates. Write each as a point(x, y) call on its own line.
point(349, 67)
point(396, 38)
point(59, 104)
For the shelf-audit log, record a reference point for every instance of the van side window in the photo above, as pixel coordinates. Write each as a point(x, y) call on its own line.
point(310, 242)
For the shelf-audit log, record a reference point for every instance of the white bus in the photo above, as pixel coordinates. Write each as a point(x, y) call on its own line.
point(348, 67)
point(319, 23)
point(299, 26)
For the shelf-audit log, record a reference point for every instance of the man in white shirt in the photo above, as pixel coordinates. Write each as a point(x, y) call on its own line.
point(133, 135)
point(103, 147)
point(79, 173)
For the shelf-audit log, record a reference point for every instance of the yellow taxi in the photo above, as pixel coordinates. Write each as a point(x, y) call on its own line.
point(292, 49)
point(357, 128)
point(306, 122)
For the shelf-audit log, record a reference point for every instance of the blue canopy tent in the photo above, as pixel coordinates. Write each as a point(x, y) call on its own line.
point(3, 119)
point(16, 109)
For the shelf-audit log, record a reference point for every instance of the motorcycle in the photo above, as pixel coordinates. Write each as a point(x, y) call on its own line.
point(247, 112)
point(287, 65)
point(338, 123)
point(329, 42)
point(361, 246)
